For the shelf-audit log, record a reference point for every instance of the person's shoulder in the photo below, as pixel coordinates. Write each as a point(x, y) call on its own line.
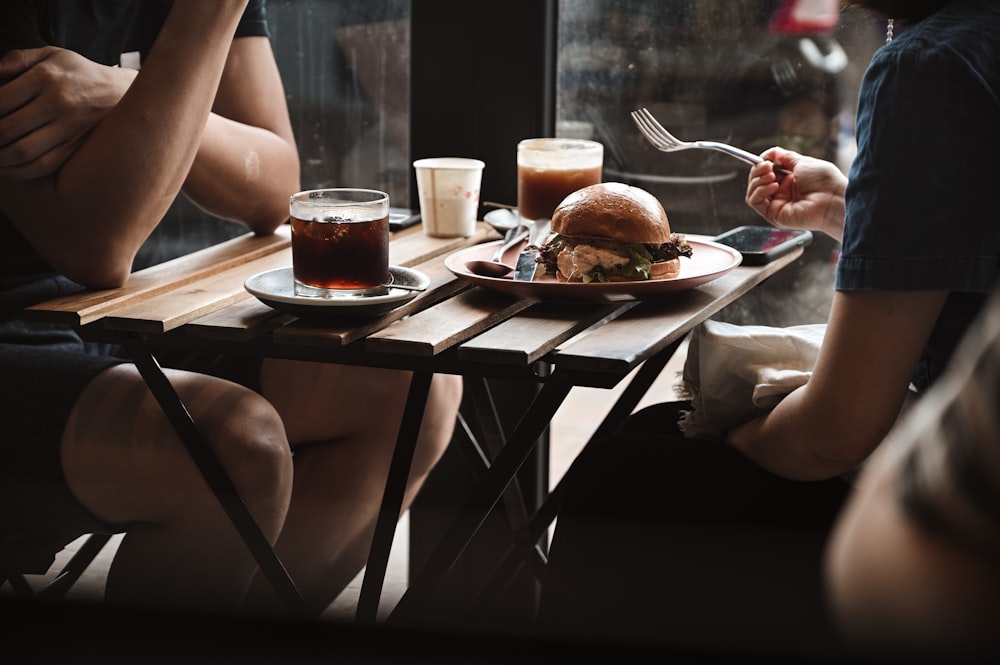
point(957, 49)
point(965, 30)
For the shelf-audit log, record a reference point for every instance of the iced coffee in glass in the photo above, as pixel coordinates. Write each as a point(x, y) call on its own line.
point(340, 242)
point(550, 169)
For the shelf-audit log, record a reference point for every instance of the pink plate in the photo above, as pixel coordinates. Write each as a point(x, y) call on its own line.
point(709, 261)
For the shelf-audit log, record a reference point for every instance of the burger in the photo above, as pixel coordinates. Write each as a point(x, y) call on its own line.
point(612, 232)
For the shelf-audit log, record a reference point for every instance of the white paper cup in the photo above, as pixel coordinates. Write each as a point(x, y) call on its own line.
point(448, 189)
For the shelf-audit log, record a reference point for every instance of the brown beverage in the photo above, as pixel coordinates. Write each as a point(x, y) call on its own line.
point(333, 254)
point(541, 190)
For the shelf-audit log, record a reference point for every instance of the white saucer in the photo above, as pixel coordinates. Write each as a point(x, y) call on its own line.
point(276, 288)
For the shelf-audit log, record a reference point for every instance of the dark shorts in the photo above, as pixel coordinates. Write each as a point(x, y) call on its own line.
point(44, 370)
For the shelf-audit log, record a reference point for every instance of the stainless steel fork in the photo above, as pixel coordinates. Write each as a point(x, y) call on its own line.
point(663, 140)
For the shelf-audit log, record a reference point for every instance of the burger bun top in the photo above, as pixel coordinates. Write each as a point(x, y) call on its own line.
point(613, 211)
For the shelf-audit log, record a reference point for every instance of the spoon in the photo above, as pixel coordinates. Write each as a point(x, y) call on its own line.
point(502, 220)
point(493, 267)
point(405, 287)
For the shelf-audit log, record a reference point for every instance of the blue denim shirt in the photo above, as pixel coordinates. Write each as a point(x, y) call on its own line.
point(922, 205)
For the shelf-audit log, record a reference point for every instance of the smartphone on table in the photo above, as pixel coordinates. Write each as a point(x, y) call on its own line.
point(763, 244)
point(402, 218)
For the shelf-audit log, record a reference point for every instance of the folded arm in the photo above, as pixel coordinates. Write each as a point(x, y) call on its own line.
point(52, 99)
point(90, 216)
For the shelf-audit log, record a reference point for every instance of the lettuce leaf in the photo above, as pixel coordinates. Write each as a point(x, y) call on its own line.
point(640, 261)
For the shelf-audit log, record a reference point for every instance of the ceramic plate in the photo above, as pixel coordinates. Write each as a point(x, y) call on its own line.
point(709, 261)
point(276, 288)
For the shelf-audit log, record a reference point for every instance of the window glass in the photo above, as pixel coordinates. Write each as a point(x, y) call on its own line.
point(345, 68)
point(753, 73)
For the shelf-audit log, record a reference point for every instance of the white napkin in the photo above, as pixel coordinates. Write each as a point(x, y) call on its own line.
point(734, 373)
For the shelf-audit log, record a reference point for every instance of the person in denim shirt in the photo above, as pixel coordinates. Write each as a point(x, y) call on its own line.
point(719, 545)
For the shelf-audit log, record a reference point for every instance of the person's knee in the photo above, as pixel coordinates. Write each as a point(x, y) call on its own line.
point(249, 440)
point(125, 462)
point(257, 434)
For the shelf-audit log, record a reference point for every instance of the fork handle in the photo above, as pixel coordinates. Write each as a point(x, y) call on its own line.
point(743, 155)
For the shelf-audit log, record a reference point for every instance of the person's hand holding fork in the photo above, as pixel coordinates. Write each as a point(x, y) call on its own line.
point(810, 196)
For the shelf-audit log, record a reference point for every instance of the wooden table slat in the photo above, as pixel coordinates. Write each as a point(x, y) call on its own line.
point(429, 332)
point(88, 306)
point(408, 248)
point(526, 337)
point(622, 344)
point(165, 312)
point(412, 246)
point(242, 321)
point(340, 332)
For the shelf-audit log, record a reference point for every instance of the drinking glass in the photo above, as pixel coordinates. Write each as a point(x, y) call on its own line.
point(340, 242)
point(550, 169)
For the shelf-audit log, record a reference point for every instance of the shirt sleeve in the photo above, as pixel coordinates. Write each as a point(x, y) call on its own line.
point(920, 208)
point(254, 21)
point(19, 26)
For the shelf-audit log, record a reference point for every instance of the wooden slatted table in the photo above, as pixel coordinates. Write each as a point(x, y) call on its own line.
point(198, 302)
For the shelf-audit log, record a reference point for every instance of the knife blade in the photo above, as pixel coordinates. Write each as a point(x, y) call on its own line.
point(527, 260)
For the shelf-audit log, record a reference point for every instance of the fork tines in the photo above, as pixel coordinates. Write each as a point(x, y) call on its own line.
point(654, 132)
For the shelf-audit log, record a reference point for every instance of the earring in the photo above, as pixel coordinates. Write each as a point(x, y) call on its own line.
point(888, 32)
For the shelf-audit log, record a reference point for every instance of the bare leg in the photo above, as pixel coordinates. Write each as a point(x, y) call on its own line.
point(342, 423)
point(124, 462)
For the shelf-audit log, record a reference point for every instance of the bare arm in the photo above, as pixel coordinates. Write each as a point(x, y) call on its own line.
point(51, 100)
point(247, 165)
point(90, 217)
point(859, 384)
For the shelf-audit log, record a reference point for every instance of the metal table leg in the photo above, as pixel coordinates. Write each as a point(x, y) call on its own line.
point(502, 471)
point(392, 499)
point(525, 549)
point(216, 477)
